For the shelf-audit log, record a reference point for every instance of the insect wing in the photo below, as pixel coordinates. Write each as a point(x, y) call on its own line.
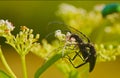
point(80, 34)
point(53, 27)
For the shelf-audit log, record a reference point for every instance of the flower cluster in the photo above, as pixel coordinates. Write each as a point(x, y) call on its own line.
point(5, 27)
point(24, 40)
point(104, 32)
point(107, 52)
point(79, 18)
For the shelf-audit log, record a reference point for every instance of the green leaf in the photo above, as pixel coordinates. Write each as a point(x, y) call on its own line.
point(47, 65)
point(3, 74)
point(73, 74)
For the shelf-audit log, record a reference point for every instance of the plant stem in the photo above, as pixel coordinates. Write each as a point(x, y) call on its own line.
point(24, 66)
point(47, 65)
point(6, 65)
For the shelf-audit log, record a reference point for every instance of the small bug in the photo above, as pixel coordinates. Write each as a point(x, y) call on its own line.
point(110, 8)
point(87, 51)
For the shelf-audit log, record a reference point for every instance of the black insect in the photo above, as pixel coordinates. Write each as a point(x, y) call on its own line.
point(87, 51)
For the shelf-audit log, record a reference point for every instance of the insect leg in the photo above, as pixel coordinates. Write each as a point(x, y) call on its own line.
point(80, 56)
point(80, 65)
point(73, 64)
point(80, 33)
point(71, 59)
point(77, 54)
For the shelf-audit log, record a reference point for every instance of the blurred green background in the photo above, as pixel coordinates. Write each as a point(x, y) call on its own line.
point(37, 15)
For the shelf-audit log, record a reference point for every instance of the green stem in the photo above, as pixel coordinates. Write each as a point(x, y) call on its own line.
point(47, 65)
point(6, 65)
point(24, 66)
point(73, 74)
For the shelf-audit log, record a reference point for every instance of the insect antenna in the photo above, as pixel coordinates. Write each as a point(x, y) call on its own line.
point(77, 31)
point(66, 28)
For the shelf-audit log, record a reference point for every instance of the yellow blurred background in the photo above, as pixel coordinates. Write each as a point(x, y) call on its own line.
point(37, 15)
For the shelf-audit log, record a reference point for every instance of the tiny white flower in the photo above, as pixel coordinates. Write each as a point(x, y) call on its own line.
point(2, 22)
point(68, 34)
point(6, 24)
point(59, 35)
point(9, 25)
